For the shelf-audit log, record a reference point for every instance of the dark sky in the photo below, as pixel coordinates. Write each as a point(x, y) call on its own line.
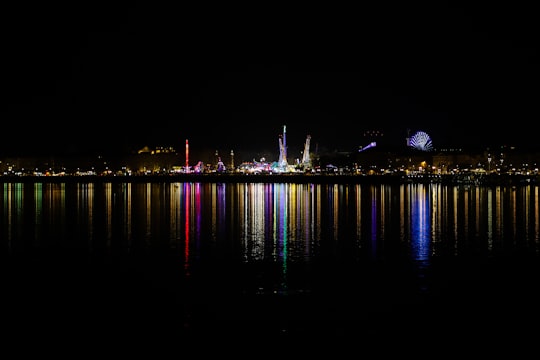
point(91, 77)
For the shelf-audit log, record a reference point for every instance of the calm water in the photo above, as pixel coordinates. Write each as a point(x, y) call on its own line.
point(118, 263)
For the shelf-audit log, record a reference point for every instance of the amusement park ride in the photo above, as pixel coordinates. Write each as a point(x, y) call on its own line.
point(280, 166)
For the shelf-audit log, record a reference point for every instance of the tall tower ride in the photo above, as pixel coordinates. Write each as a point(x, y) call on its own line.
point(306, 158)
point(187, 156)
point(283, 148)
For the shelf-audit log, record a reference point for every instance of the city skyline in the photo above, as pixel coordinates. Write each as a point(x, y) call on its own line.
point(423, 240)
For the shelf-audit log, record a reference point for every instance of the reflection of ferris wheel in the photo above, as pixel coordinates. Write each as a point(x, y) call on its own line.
point(421, 141)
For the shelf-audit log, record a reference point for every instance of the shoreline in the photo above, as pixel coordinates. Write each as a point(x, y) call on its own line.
point(492, 179)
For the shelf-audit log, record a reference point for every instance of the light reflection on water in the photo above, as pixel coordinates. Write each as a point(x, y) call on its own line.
point(273, 222)
point(284, 239)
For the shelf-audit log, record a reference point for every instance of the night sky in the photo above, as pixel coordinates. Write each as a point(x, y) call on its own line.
point(92, 77)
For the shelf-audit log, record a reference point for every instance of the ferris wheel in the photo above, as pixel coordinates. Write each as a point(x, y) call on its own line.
point(421, 141)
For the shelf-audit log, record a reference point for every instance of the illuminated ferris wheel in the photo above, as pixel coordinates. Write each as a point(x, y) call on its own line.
point(421, 141)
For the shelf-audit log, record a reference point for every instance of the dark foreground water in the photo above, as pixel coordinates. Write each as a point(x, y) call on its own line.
point(258, 268)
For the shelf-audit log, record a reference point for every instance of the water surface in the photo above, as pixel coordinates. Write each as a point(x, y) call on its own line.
point(170, 262)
